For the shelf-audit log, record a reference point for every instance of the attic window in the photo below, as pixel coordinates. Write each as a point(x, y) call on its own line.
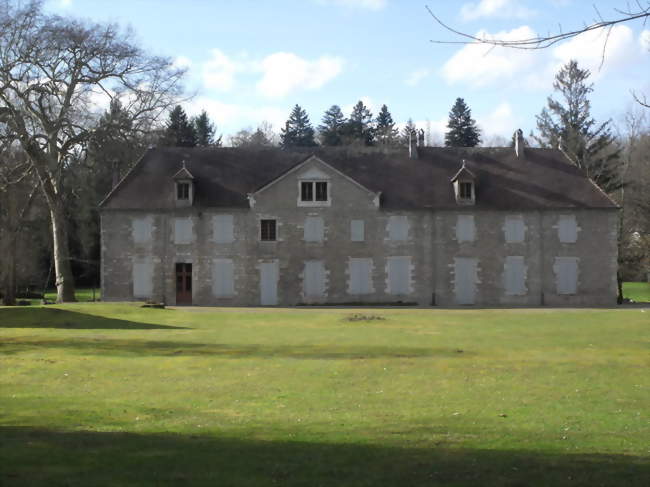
point(182, 191)
point(465, 190)
point(464, 182)
point(309, 189)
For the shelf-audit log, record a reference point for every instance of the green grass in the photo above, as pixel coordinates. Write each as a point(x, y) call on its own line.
point(82, 294)
point(114, 394)
point(637, 291)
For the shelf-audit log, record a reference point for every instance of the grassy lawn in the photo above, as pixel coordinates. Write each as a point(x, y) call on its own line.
point(637, 291)
point(116, 395)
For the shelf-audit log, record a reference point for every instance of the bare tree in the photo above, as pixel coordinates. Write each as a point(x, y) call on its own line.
point(51, 71)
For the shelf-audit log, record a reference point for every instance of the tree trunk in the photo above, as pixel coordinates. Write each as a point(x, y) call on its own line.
point(9, 297)
point(62, 266)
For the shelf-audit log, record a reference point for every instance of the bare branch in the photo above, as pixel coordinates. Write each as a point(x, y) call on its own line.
point(542, 42)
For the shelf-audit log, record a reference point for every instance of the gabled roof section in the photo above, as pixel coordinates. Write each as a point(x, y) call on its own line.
point(183, 173)
point(311, 160)
point(463, 173)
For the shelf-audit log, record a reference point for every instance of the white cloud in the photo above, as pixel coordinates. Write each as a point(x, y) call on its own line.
point(65, 3)
point(281, 72)
point(644, 40)
point(481, 65)
point(182, 62)
point(284, 72)
point(230, 117)
point(416, 76)
point(360, 4)
point(219, 72)
point(599, 51)
point(495, 8)
point(501, 121)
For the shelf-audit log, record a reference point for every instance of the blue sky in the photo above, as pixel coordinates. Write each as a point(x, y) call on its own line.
point(250, 61)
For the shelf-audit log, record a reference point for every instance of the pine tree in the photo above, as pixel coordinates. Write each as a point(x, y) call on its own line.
point(405, 134)
point(298, 131)
point(568, 124)
point(204, 130)
point(463, 131)
point(385, 130)
point(359, 129)
point(331, 129)
point(179, 131)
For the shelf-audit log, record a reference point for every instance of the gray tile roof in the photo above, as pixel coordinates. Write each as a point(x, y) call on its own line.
point(542, 179)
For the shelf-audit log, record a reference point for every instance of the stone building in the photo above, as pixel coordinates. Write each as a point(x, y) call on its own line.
point(431, 226)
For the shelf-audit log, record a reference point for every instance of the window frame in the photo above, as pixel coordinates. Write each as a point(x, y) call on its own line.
point(469, 186)
point(314, 195)
point(182, 191)
point(269, 234)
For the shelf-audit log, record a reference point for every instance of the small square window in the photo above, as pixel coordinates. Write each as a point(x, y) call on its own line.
point(306, 191)
point(267, 230)
point(183, 191)
point(465, 191)
point(321, 191)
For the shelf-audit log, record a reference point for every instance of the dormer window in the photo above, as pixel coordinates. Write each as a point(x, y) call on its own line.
point(465, 190)
point(182, 191)
point(184, 187)
point(464, 182)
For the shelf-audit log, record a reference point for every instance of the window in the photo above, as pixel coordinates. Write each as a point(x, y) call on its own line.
point(566, 275)
point(514, 276)
point(465, 191)
point(399, 275)
point(465, 228)
point(314, 281)
point(398, 228)
point(142, 278)
point(360, 276)
point(183, 231)
point(567, 229)
point(306, 191)
point(223, 278)
point(514, 229)
point(321, 191)
point(267, 230)
point(313, 191)
point(182, 191)
point(314, 229)
point(357, 231)
point(141, 229)
point(222, 228)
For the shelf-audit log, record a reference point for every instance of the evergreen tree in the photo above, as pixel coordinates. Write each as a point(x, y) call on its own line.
point(385, 130)
point(405, 134)
point(204, 130)
point(179, 131)
point(463, 131)
point(298, 131)
point(359, 129)
point(331, 130)
point(568, 124)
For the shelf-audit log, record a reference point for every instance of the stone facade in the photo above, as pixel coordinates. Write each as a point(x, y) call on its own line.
point(350, 250)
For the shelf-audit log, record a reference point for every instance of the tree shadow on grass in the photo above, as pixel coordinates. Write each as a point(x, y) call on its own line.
point(69, 320)
point(126, 347)
point(33, 456)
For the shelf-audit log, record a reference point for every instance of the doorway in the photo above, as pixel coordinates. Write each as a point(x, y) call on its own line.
point(183, 284)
